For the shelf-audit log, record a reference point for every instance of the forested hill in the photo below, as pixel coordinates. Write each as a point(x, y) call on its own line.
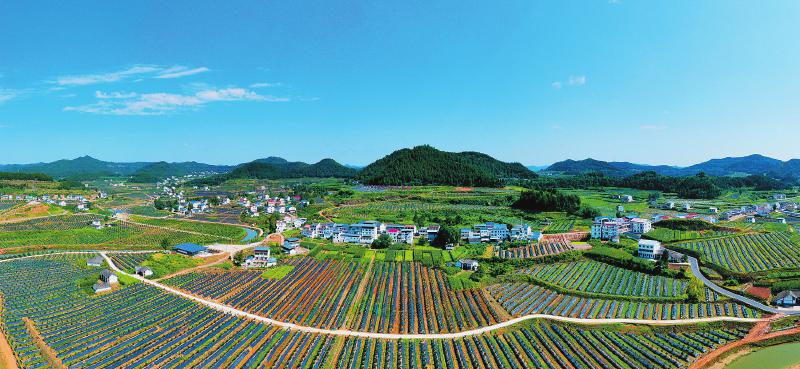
point(425, 165)
point(160, 170)
point(276, 168)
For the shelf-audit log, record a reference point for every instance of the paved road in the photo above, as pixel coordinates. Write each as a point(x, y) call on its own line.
point(344, 332)
point(745, 300)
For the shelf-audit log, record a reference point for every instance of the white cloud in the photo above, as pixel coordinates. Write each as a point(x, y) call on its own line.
point(264, 84)
point(180, 71)
point(162, 103)
point(90, 79)
point(140, 71)
point(652, 127)
point(571, 81)
point(577, 80)
point(6, 94)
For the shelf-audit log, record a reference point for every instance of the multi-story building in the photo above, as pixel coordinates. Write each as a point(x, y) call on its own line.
point(606, 228)
point(640, 225)
point(650, 249)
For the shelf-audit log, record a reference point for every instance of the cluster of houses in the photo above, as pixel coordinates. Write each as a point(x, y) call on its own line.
point(263, 203)
point(81, 202)
point(608, 228)
point(367, 231)
point(490, 232)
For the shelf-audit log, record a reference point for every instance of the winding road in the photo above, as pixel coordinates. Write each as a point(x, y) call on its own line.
point(695, 266)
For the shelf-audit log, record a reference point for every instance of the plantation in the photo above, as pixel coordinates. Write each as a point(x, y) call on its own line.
point(671, 235)
point(76, 232)
point(404, 212)
point(748, 253)
point(409, 298)
point(128, 261)
point(540, 345)
point(606, 280)
point(535, 250)
point(312, 294)
point(228, 232)
point(134, 327)
point(521, 299)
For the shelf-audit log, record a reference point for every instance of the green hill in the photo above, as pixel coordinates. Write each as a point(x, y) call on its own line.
point(425, 165)
point(277, 168)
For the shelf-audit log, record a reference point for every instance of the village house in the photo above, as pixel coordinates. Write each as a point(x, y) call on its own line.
point(640, 225)
point(650, 249)
point(96, 261)
point(291, 245)
point(467, 264)
point(787, 298)
point(606, 228)
point(261, 258)
point(143, 271)
point(109, 277)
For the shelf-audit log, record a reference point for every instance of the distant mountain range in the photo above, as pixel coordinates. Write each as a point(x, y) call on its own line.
point(418, 165)
point(730, 166)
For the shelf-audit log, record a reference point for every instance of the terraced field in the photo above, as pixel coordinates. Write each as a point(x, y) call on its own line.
point(603, 279)
point(315, 293)
point(535, 250)
point(749, 253)
point(408, 298)
point(521, 299)
point(539, 345)
point(232, 233)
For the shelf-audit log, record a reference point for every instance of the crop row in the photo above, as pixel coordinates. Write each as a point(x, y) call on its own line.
point(535, 250)
point(596, 277)
point(409, 298)
point(749, 253)
point(129, 261)
point(217, 229)
point(315, 293)
point(540, 345)
point(521, 299)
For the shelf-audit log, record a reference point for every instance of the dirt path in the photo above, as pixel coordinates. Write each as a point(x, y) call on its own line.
point(352, 310)
point(46, 350)
point(759, 332)
point(7, 358)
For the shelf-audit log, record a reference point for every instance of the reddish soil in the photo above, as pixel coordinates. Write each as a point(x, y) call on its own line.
point(760, 292)
point(464, 189)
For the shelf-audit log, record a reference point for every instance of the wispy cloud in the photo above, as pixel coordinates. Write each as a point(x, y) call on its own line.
point(91, 79)
point(571, 81)
point(6, 94)
point(180, 71)
point(136, 71)
point(117, 103)
point(652, 127)
point(577, 80)
point(264, 84)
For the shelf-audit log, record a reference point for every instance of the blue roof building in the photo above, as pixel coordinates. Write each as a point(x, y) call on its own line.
point(190, 249)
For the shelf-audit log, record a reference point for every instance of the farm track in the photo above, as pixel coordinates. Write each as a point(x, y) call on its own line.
point(695, 267)
point(393, 336)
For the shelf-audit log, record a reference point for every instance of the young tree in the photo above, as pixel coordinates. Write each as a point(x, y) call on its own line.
point(446, 235)
point(383, 242)
point(165, 244)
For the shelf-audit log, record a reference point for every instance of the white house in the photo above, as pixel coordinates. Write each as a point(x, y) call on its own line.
point(467, 264)
point(96, 261)
point(101, 287)
point(606, 228)
point(650, 249)
point(779, 196)
point(641, 226)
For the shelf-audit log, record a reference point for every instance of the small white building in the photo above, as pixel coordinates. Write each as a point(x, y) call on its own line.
point(101, 287)
point(713, 210)
point(650, 249)
point(109, 277)
point(143, 271)
point(96, 261)
point(467, 264)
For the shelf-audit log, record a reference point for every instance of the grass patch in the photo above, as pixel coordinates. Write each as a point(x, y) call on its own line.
point(277, 272)
point(166, 264)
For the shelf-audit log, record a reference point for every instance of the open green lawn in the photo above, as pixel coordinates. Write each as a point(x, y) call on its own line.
point(166, 264)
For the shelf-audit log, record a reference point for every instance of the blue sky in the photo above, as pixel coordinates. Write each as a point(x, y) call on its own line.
point(662, 82)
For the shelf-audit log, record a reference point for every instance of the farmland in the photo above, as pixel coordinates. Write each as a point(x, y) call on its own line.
point(539, 345)
point(75, 232)
point(535, 250)
point(404, 211)
point(749, 252)
point(313, 293)
point(522, 299)
point(606, 280)
point(409, 298)
point(225, 231)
